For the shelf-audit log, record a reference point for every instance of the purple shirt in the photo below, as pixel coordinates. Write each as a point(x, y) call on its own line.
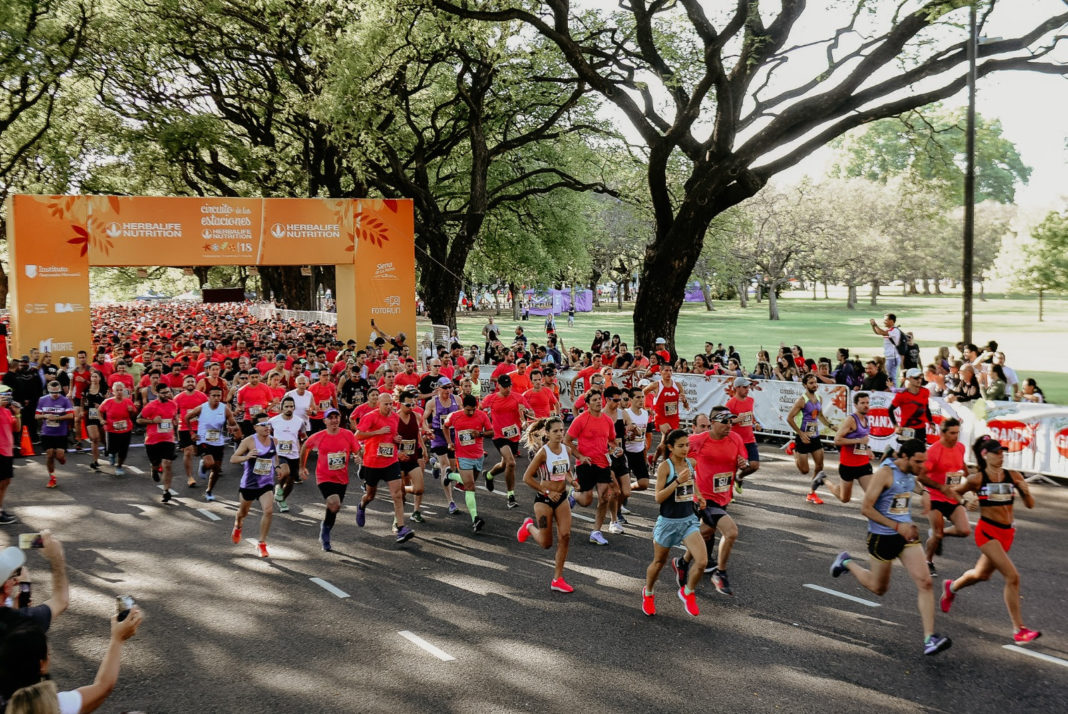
point(52, 408)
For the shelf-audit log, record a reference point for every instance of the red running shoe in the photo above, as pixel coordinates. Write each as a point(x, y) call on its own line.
point(522, 534)
point(1025, 636)
point(689, 602)
point(946, 600)
point(51, 481)
point(648, 604)
point(263, 549)
point(235, 536)
point(560, 586)
point(815, 499)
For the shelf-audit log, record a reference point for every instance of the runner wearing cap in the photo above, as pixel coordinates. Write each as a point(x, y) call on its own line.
point(661, 350)
point(741, 406)
point(507, 411)
point(995, 531)
point(56, 414)
point(470, 426)
point(379, 428)
point(444, 403)
point(259, 454)
point(333, 447)
point(914, 403)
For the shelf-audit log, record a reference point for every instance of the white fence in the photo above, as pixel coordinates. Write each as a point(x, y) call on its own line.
point(267, 312)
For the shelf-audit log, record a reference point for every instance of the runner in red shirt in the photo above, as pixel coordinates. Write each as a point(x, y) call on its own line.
point(741, 406)
point(854, 451)
point(324, 396)
point(161, 418)
point(188, 399)
point(589, 439)
point(507, 411)
point(379, 429)
point(586, 374)
point(915, 409)
point(521, 381)
point(121, 376)
point(408, 378)
point(117, 414)
point(719, 454)
point(470, 426)
point(666, 398)
point(252, 399)
point(944, 471)
point(541, 399)
point(80, 382)
point(10, 424)
point(333, 447)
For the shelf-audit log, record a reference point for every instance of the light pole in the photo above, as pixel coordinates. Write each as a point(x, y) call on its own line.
point(968, 266)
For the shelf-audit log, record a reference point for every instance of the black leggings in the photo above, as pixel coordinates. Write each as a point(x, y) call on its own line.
point(119, 444)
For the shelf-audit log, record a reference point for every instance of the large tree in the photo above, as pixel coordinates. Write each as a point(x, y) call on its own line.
point(1046, 268)
point(706, 86)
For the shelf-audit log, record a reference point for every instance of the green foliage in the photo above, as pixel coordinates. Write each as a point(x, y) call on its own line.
point(1047, 256)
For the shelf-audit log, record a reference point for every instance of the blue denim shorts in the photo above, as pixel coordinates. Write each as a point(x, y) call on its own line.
point(471, 464)
point(670, 532)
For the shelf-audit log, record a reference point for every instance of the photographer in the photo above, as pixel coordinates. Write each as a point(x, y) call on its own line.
point(11, 563)
point(24, 660)
point(10, 425)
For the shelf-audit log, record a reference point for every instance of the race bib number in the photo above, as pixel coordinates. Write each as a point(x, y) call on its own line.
point(52, 423)
point(385, 451)
point(335, 461)
point(684, 492)
point(407, 447)
point(671, 408)
point(325, 404)
point(745, 419)
point(899, 506)
point(510, 432)
point(999, 492)
point(262, 467)
point(908, 433)
point(861, 449)
point(466, 437)
point(954, 477)
point(94, 413)
point(813, 429)
point(212, 435)
point(165, 425)
point(121, 425)
point(285, 447)
point(255, 409)
point(721, 483)
point(559, 472)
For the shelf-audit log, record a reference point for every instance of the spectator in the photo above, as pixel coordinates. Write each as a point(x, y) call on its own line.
point(12, 561)
point(1012, 382)
point(876, 379)
point(967, 389)
point(996, 384)
point(891, 339)
point(1032, 392)
point(911, 358)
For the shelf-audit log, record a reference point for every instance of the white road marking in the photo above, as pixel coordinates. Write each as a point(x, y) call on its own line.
point(208, 514)
point(861, 600)
point(134, 470)
point(173, 492)
point(329, 588)
point(420, 642)
point(1037, 655)
point(581, 517)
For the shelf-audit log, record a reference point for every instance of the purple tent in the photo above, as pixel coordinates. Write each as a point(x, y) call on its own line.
point(542, 302)
point(694, 293)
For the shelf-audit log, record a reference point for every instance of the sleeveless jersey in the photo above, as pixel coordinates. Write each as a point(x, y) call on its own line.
point(857, 454)
point(641, 423)
point(557, 466)
point(893, 502)
point(211, 425)
point(259, 472)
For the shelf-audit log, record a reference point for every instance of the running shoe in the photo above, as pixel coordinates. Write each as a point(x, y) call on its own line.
point(453, 510)
point(166, 495)
point(571, 498)
point(615, 528)
point(283, 506)
point(818, 480)
point(120, 471)
point(405, 534)
point(279, 493)
point(512, 503)
point(839, 565)
point(478, 524)
point(361, 515)
point(262, 547)
point(51, 481)
point(111, 459)
point(235, 535)
point(621, 520)
point(935, 644)
point(1025, 636)
point(723, 586)
point(192, 484)
point(648, 603)
point(6, 519)
point(947, 596)
point(209, 496)
point(624, 511)
point(489, 481)
point(738, 488)
point(394, 526)
point(324, 538)
point(931, 568)
point(155, 475)
point(561, 586)
point(94, 465)
point(682, 570)
point(689, 602)
point(417, 516)
point(813, 498)
point(597, 538)
point(201, 473)
point(523, 533)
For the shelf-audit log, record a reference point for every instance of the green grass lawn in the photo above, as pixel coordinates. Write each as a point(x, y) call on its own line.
point(820, 326)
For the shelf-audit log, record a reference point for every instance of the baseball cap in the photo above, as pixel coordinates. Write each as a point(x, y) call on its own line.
point(444, 382)
point(723, 416)
point(504, 380)
point(913, 373)
point(661, 341)
point(644, 383)
point(330, 411)
point(11, 559)
point(741, 382)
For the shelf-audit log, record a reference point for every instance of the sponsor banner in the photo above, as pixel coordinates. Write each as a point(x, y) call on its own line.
point(48, 275)
point(383, 272)
point(307, 231)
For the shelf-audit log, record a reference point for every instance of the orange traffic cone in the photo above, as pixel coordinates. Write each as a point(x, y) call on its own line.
point(26, 449)
point(85, 434)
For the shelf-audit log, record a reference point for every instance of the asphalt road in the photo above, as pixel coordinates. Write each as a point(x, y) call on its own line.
point(229, 632)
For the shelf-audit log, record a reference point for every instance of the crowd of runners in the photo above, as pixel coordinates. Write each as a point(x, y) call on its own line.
point(211, 385)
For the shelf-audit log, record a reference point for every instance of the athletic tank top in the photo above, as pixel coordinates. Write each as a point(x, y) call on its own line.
point(893, 502)
point(259, 472)
point(857, 454)
point(409, 434)
point(810, 416)
point(210, 425)
point(666, 401)
point(641, 423)
point(441, 412)
point(680, 503)
point(997, 493)
point(557, 466)
point(91, 403)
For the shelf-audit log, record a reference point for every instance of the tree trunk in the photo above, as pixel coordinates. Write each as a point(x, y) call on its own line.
point(1040, 291)
point(743, 293)
point(773, 301)
point(517, 301)
point(826, 292)
point(982, 291)
point(440, 288)
point(3, 288)
point(815, 296)
point(619, 296)
point(938, 285)
point(201, 273)
point(851, 298)
point(497, 300)
point(287, 285)
point(706, 292)
point(759, 292)
point(875, 292)
point(593, 287)
point(926, 285)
